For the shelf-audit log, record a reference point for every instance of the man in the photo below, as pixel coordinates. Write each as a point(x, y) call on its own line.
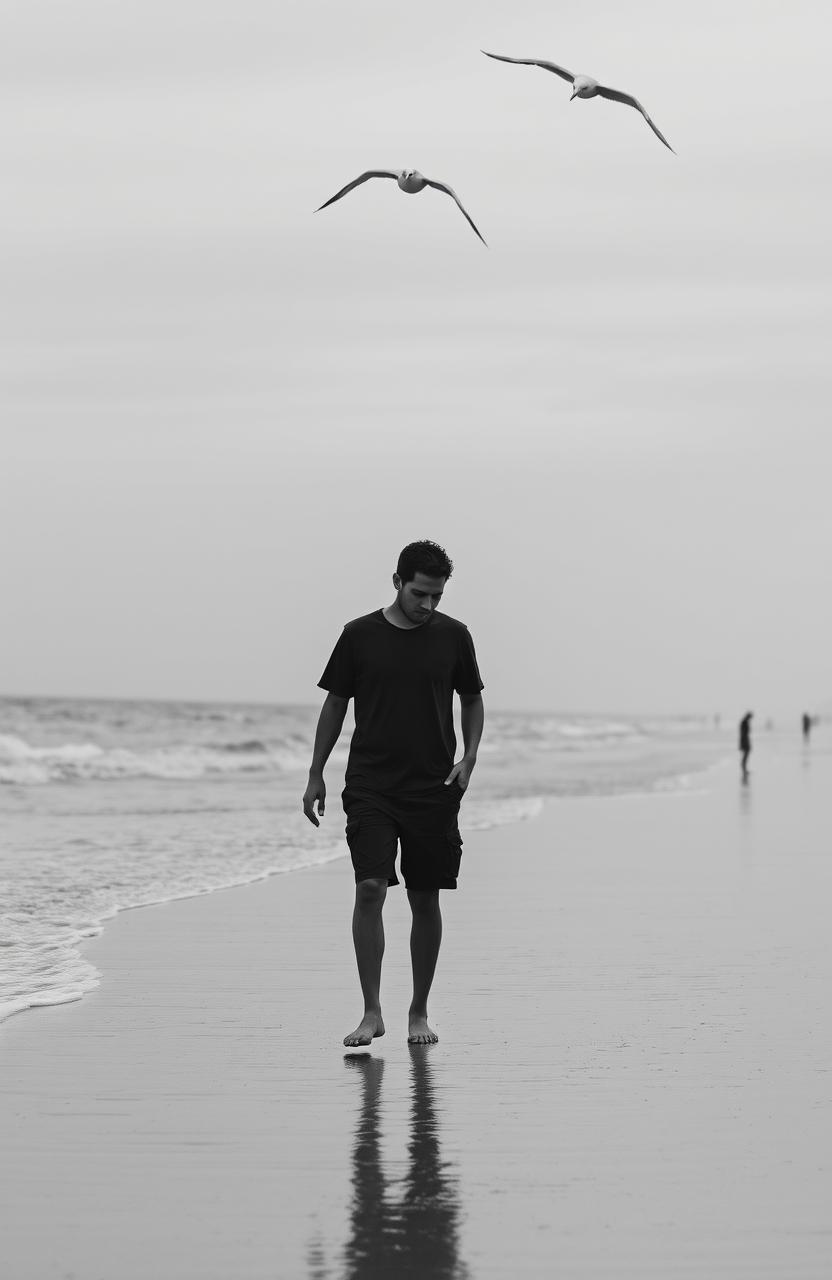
point(745, 743)
point(402, 666)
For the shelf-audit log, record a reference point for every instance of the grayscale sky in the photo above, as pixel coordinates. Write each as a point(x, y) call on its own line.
point(223, 414)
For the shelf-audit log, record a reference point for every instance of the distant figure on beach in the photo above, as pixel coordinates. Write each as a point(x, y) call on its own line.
point(806, 721)
point(402, 665)
point(745, 742)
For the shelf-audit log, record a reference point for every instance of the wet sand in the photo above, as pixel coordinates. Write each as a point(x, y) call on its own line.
point(634, 1076)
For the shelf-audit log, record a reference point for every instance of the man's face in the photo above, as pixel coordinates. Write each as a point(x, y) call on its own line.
point(418, 598)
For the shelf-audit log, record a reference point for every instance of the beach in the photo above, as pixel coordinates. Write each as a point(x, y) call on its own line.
point(632, 1079)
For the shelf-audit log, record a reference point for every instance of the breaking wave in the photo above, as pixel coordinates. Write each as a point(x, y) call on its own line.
point(25, 765)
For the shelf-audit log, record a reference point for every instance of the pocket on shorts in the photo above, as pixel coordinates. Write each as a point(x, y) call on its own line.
point(454, 852)
point(352, 829)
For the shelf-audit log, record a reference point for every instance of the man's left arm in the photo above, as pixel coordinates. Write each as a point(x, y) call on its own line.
point(473, 719)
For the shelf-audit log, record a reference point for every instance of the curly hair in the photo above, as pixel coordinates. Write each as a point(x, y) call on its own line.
point(424, 557)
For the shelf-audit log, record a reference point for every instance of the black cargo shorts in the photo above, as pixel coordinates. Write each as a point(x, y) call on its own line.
point(426, 826)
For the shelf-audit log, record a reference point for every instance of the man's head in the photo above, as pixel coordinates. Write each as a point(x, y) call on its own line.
point(420, 577)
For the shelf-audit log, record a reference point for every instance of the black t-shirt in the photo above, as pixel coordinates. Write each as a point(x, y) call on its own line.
point(403, 682)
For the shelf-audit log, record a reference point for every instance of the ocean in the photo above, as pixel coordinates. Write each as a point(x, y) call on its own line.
point(107, 805)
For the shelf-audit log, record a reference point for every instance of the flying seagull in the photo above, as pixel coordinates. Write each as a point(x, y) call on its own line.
point(585, 87)
point(409, 180)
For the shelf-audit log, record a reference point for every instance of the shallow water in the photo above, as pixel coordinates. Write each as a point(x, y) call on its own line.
point(108, 805)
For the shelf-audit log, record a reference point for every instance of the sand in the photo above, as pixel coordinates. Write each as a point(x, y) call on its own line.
point(633, 1078)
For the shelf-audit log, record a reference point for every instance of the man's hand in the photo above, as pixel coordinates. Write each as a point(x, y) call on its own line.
point(462, 772)
point(315, 790)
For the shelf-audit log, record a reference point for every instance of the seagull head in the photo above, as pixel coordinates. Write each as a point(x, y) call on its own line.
point(584, 87)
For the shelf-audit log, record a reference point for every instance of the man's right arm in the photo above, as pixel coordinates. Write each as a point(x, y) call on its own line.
point(330, 724)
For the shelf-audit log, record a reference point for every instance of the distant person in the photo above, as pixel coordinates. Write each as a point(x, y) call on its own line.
point(806, 721)
point(402, 665)
point(745, 743)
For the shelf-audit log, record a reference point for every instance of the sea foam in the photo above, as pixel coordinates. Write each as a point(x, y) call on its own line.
point(112, 805)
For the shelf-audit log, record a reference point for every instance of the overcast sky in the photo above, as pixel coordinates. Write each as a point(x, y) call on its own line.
point(224, 414)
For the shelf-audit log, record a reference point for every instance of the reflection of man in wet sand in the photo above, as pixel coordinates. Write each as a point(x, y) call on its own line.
point(416, 1233)
point(745, 743)
point(402, 665)
point(806, 722)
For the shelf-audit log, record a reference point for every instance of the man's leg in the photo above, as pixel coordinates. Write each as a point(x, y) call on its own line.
point(425, 938)
point(368, 938)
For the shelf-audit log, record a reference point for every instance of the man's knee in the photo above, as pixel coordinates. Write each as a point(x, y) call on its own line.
point(370, 894)
point(423, 901)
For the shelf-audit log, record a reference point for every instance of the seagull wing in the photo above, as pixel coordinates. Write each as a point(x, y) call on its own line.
point(615, 95)
point(535, 62)
point(371, 173)
point(449, 191)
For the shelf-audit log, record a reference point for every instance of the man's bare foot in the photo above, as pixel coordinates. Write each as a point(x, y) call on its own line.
point(418, 1031)
point(369, 1027)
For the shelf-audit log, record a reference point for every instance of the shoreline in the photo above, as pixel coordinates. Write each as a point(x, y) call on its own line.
point(513, 812)
point(95, 932)
point(629, 1080)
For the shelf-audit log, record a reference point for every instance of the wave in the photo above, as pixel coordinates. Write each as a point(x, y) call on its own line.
point(25, 765)
point(482, 814)
point(559, 733)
